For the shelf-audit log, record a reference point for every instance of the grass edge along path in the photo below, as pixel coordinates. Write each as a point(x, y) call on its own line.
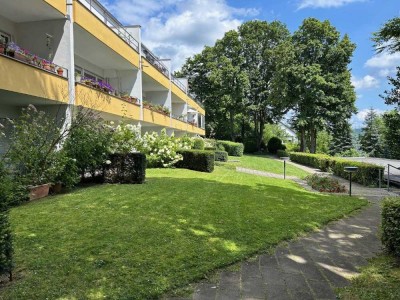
point(266, 164)
point(141, 241)
point(379, 280)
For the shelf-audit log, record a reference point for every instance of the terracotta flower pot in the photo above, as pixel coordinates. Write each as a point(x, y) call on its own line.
point(46, 67)
point(60, 72)
point(39, 191)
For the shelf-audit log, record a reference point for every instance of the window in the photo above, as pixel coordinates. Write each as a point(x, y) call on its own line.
point(87, 74)
point(6, 36)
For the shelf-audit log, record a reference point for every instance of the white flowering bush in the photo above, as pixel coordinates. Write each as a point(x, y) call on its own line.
point(161, 149)
point(126, 139)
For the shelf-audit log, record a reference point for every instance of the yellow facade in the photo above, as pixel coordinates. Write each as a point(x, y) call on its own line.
point(155, 74)
point(197, 107)
point(195, 129)
point(179, 93)
point(100, 101)
point(58, 4)
point(176, 124)
point(22, 78)
point(88, 21)
point(156, 118)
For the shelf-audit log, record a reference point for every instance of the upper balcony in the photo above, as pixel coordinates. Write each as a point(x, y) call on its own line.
point(92, 17)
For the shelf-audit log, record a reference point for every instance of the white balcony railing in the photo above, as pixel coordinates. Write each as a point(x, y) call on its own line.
point(179, 84)
point(154, 60)
point(108, 19)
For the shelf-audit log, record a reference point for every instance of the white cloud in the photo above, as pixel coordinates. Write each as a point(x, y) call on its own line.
point(361, 115)
point(325, 3)
point(384, 60)
point(358, 119)
point(367, 82)
point(384, 63)
point(178, 29)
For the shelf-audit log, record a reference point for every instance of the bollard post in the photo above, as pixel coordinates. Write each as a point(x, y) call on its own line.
point(350, 186)
point(284, 166)
point(388, 179)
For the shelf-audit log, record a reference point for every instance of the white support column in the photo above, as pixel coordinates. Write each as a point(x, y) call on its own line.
point(71, 64)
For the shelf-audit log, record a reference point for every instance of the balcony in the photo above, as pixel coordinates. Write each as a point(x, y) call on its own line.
point(155, 61)
point(179, 124)
point(102, 99)
point(156, 118)
point(32, 77)
point(94, 19)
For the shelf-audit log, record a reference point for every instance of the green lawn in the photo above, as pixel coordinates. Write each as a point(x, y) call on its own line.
point(140, 241)
point(380, 280)
point(267, 164)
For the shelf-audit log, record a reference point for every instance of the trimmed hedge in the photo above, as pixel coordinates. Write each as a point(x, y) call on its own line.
point(197, 160)
point(198, 144)
point(367, 174)
point(210, 148)
point(233, 149)
point(126, 168)
point(391, 225)
point(221, 156)
point(318, 161)
point(282, 153)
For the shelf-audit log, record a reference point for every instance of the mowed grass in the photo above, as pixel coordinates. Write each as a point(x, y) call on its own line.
point(140, 241)
point(267, 164)
point(379, 280)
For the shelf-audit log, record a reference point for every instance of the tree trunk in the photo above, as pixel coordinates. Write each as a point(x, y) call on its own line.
point(313, 140)
point(302, 140)
point(232, 125)
point(260, 135)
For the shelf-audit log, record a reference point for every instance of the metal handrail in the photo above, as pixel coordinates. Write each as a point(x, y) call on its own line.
point(109, 20)
point(179, 84)
point(154, 60)
point(388, 177)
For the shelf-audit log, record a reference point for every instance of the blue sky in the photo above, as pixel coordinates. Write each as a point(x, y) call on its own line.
point(180, 28)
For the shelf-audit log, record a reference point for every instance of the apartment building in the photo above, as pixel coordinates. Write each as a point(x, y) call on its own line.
point(57, 54)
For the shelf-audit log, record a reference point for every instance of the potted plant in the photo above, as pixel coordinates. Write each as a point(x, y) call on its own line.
point(46, 65)
point(78, 77)
point(60, 71)
point(11, 48)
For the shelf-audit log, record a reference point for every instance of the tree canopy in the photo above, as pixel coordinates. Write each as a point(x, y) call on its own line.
point(256, 74)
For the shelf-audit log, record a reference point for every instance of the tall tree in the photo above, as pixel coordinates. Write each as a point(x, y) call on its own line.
point(266, 51)
point(320, 79)
point(391, 120)
point(342, 139)
point(392, 96)
point(388, 36)
point(371, 138)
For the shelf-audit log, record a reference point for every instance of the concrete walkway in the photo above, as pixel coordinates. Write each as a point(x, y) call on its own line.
point(310, 267)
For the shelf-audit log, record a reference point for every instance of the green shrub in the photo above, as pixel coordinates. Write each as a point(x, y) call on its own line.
point(391, 225)
point(282, 153)
point(275, 144)
point(250, 146)
point(318, 161)
point(233, 149)
point(210, 148)
point(125, 168)
point(197, 160)
point(6, 246)
point(198, 144)
point(89, 146)
point(325, 184)
point(221, 156)
point(367, 174)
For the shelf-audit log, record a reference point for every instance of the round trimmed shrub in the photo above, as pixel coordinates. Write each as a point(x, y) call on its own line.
point(198, 144)
point(221, 156)
point(275, 144)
